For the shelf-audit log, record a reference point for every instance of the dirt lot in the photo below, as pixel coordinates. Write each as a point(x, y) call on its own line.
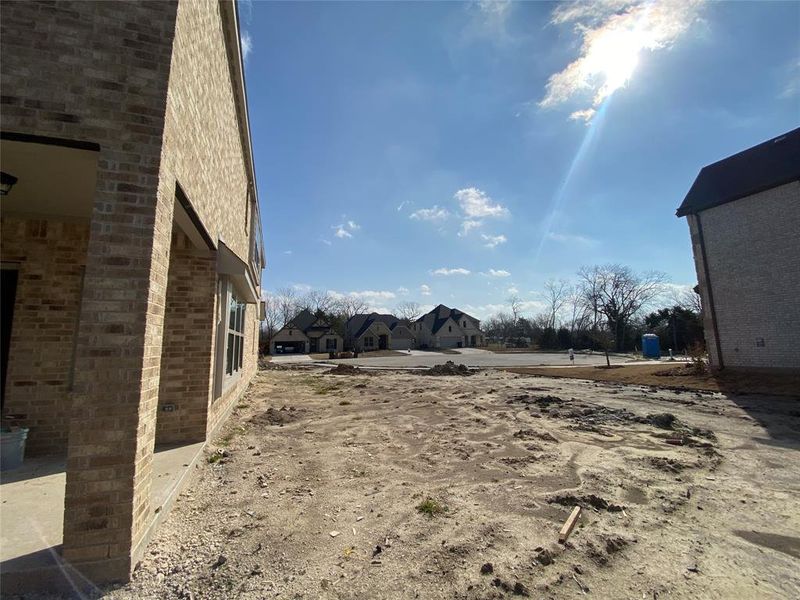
point(320, 479)
point(679, 376)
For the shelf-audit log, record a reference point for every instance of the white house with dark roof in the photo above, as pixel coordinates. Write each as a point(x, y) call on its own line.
point(365, 332)
point(306, 333)
point(445, 327)
point(744, 220)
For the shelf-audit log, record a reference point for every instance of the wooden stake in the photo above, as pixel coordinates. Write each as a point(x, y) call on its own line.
point(569, 525)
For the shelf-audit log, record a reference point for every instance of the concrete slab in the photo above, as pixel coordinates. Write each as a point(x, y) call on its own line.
point(32, 505)
point(290, 358)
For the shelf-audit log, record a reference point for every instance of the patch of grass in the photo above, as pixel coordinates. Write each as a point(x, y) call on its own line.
point(214, 458)
point(431, 508)
point(241, 406)
point(226, 439)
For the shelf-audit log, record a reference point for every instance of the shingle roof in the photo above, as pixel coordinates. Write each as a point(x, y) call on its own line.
point(303, 320)
point(440, 315)
point(762, 167)
point(360, 323)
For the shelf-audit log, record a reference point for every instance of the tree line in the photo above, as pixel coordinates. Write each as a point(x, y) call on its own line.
point(606, 307)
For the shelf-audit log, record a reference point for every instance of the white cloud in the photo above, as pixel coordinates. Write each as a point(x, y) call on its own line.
point(792, 86)
point(583, 115)
point(345, 230)
point(326, 242)
point(447, 272)
point(493, 240)
point(476, 204)
point(498, 273)
point(569, 238)
point(302, 287)
point(342, 233)
point(435, 214)
point(287, 252)
point(512, 290)
point(403, 291)
point(425, 290)
point(368, 295)
point(467, 226)
point(402, 205)
point(247, 44)
point(614, 34)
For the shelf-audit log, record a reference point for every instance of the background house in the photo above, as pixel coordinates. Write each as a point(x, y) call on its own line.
point(129, 325)
point(445, 327)
point(744, 220)
point(306, 333)
point(378, 332)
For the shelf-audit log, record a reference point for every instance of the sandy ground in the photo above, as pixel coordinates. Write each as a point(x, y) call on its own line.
point(319, 477)
point(681, 376)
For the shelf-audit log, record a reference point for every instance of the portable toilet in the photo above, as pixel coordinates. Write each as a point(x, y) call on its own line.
point(650, 346)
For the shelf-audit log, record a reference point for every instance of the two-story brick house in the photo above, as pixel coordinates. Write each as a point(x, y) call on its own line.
point(744, 221)
point(131, 249)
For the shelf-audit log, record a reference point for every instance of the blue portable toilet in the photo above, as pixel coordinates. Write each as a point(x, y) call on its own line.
point(650, 346)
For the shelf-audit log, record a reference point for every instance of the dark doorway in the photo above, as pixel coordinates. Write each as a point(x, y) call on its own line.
point(383, 342)
point(8, 294)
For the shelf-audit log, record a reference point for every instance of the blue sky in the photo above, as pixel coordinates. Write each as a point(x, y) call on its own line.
point(458, 153)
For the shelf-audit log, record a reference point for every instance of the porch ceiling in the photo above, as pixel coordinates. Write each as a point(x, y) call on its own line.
point(51, 180)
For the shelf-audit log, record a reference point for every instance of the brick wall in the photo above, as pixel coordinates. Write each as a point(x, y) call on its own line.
point(98, 71)
point(203, 152)
point(105, 72)
point(753, 252)
point(51, 256)
point(186, 350)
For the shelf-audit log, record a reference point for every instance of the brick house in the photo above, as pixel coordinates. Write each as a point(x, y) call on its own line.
point(305, 333)
point(445, 327)
point(365, 332)
point(131, 249)
point(744, 220)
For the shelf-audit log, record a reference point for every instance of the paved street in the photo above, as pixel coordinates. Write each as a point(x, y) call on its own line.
point(474, 357)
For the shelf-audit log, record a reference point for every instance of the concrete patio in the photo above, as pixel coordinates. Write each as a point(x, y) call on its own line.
point(32, 500)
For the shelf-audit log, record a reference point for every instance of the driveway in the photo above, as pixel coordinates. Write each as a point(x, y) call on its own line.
point(476, 357)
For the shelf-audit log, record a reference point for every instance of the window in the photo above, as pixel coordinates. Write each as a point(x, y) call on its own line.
point(330, 344)
point(369, 341)
point(465, 323)
point(449, 328)
point(234, 350)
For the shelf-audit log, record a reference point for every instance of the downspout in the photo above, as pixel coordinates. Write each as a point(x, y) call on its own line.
point(711, 308)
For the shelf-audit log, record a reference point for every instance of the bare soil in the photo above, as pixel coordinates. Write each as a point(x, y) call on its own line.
point(397, 485)
point(679, 376)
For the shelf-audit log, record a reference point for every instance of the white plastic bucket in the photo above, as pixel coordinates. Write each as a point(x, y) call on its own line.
point(12, 447)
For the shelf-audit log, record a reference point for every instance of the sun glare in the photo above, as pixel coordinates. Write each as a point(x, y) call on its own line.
point(614, 56)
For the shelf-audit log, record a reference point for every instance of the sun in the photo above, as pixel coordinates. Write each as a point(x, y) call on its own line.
point(613, 57)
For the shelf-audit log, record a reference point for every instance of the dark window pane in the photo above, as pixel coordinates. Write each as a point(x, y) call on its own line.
point(229, 362)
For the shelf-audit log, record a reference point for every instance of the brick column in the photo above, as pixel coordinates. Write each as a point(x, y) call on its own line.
point(112, 426)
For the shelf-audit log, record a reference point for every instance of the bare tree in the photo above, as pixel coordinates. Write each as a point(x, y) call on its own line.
point(556, 294)
point(317, 302)
point(617, 293)
point(515, 304)
point(288, 305)
point(271, 323)
point(687, 299)
point(579, 314)
point(347, 306)
point(408, 311)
